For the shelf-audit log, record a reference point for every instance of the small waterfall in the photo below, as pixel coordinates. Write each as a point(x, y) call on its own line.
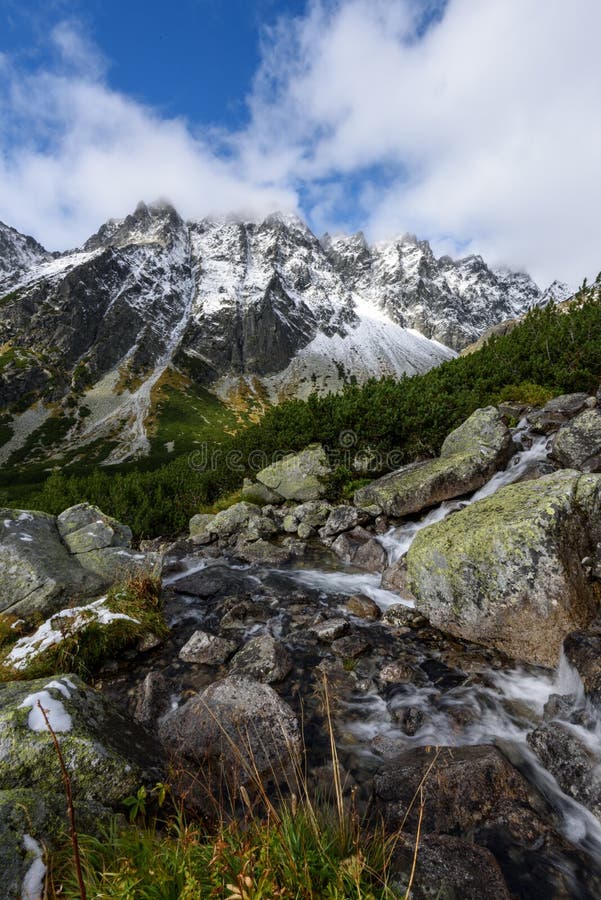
point(397, 540)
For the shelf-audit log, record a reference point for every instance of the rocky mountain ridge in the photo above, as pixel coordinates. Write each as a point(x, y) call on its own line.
point(255, 312)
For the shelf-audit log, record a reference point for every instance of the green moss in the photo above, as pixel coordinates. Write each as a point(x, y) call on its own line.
point(85, 648)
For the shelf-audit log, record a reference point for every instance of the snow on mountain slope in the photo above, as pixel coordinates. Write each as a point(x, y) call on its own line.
point(263, 307)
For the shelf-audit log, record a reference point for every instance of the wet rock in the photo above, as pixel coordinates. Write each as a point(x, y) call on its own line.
point(38, 573)
point(410, 718)
point(469, 457)
point(299, 476)
point(577, 445)
point(259, 494)
point(305, 531)
point(350, 647)
point(400, 672)
point(262, 552)
point(200, 528)
point(150, 700)
point(506, 571)
point(467, 791)
point(342, 518)
point(330, 630)
point(563, 751)
point(359, 548)
point(557, 412)
point(559, 706)
point(400, 615)
point(583, 651)
point(363, 607)
point(236, 727)
point(109, 755)
point(207, 649)
point(447, 868)
point(394, 578)
point(262, 658)
point(212, 581)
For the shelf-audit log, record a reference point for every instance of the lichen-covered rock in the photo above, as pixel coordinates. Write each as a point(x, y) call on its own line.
point(207, 649)
point(363, 607)
point(24, 825)
point(557, 412)
point(108, 755)
point(85, 527)
point(114, 564)
point(469, 457)
point(200, 528)
point(359, 548)
point(238, 727)
point(577, 445)
point(37, 572)
point(234, 519)
point(564, 753)
point(262, 658)
point(299, 476)
point(506, 571)
point(342, 518)
point(259, 494)
point(447, 868)
point(262, 552)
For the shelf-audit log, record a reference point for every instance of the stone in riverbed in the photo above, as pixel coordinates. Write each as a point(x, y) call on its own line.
point(469, 457)
point(330, 630)
point(207, 649)
point(237, 728)
point(262, 658)
point(506, 571)
point(557, 412)
point(577, 445)
point(583, 651)
point(363, 607)
point(447, 868)
point(359, 548)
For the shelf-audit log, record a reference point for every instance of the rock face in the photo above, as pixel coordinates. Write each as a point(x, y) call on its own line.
point(237, 727)
point(469, 457)
point(297, 477)
point(45, 562)
point(565, 755)
point(233, 306)
point(506, 571)
point(38, 572)
point(577, 445)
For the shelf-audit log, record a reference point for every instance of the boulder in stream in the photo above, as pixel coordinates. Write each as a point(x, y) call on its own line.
point(506, 571)
point(469, 457)
point(577, 445)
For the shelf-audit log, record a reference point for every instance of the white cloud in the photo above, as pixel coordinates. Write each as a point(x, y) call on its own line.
point(73, 153)
point(491, 119)
point(487, 126)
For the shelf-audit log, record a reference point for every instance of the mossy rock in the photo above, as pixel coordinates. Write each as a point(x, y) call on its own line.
point(506, 571)
point(107, 755)
point(298, 476)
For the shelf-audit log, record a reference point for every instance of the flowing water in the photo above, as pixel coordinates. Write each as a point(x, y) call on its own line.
point(459, 697)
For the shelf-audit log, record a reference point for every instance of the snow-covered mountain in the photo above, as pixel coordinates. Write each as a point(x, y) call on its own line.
point(260, 309)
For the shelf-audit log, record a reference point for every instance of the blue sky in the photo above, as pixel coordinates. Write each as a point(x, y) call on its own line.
point(194, 58)
point(472, 124)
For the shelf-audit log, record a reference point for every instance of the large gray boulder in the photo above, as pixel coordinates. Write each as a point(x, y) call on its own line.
point(85, 527)
point(237, 728)
point(577, 445)
point(469, 457)
point(37, 572)
point(298, 476)
point(507, 570)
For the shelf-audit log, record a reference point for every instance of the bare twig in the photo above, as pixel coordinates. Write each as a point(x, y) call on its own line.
point(417, 836)
point(71, 810)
